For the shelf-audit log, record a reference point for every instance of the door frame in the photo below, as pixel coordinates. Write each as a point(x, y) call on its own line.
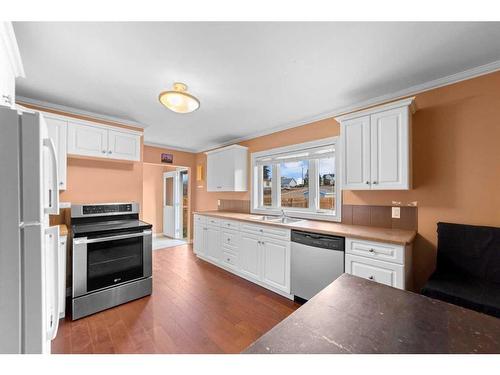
point(177, 201)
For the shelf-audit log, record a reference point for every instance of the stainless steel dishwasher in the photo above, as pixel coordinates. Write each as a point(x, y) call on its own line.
point(317, 260)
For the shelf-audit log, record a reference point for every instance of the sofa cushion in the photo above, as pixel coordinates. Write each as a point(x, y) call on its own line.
point(466, 291)
point(469, 249)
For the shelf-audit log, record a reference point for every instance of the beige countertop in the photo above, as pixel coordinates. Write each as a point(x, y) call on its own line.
point(396, 236)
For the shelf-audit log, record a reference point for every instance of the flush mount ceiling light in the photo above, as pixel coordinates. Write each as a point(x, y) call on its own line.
point(178, 100)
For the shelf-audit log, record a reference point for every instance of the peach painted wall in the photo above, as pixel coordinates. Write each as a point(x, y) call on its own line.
point(152, 188)
point(96, 181)
point(456, 162)
point(317, 130)
point(152, 155)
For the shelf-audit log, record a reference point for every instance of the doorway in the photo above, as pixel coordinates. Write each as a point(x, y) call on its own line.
point(175, 204)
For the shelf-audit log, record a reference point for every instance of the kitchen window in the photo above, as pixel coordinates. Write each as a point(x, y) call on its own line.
point(301, 180)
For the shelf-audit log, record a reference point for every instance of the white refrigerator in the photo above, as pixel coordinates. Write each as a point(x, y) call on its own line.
point(28, 245)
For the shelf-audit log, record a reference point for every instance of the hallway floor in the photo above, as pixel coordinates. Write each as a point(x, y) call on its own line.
point(162, 242)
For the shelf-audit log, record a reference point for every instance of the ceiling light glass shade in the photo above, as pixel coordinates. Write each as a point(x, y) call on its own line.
point(179, 100)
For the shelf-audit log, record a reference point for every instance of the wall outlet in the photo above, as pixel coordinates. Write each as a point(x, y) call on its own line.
point(396, 212)
point(218, 202)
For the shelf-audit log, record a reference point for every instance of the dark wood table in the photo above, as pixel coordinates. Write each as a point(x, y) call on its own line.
point(354, 315)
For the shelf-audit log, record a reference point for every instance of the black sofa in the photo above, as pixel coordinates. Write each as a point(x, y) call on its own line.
point(468, 267)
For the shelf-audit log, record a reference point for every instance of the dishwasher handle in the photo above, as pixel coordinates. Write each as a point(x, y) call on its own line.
point(322, 241)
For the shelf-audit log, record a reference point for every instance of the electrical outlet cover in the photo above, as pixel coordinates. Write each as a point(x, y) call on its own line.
point(396, 212)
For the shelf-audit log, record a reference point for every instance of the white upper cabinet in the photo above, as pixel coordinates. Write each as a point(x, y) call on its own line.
point(123, 146)
point(227, 169)
point(58, 133)
point(103, 142)
point(376, 147)
point(11, 65)
point(87, 140)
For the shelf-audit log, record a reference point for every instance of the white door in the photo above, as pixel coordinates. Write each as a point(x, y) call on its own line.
point(58, 133)
point(124, 146)
point(213, 246)
point(356, 152)
point(87, 140)
point(250, 255)
point(389, 150)
point(199, 238)
point(171, 204)
point(276, 264)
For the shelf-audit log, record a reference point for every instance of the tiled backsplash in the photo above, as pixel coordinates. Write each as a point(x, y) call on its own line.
point(234, 205)
point(379, 216)
point(373, 216)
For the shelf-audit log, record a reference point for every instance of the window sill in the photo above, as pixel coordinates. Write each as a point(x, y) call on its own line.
point(298, 214)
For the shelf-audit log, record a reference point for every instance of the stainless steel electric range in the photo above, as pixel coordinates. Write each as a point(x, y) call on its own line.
point(111, 257)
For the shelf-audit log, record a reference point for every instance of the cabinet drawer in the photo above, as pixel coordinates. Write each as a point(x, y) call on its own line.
point(230, 238)
point(229, 259)
point(200, 219)
point(213, 221)
point(267, 230)
point(229, 224)
point(375, 250)
point(382, 272)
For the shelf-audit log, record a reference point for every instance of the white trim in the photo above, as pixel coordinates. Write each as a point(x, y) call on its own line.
point(226, 148)
point(10, 42)
point(76, 111)
point(409, 102)
point(170, 148)
point(297, 213)
point(78, 121)
point(412, 90)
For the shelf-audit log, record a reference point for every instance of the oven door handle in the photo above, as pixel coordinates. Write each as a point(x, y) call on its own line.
point(111, 238)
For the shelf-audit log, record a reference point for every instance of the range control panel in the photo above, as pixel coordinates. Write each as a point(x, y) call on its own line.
point(106, 209)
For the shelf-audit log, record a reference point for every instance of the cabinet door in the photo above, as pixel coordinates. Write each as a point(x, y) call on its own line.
point(276, 264)
point(356, 153)
point(220, 172)
point(390, 149)
point(7, 81)
point(58, 133)
point(87, 140)
point(124, 146)
point(250, 255)
point(213, 245)
point(381, 272)
point(199, 238)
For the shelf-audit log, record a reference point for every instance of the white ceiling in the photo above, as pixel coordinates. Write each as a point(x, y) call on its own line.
point(249, 77)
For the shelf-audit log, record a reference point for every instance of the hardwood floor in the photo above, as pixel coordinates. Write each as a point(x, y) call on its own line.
point(195, 308)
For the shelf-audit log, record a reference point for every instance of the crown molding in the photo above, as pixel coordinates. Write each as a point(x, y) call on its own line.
point(412, 90)
point(168, 147)
point(9, 40)
point(76, 111)
point(408, 102)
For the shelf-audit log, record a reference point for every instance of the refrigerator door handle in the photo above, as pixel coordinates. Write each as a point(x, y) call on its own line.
point(53, 207)
point(54, 314)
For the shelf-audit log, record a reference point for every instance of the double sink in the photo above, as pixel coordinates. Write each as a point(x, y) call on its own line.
point(277, 219)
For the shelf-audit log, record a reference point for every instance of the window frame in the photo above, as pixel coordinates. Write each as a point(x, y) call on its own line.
point(313, 211)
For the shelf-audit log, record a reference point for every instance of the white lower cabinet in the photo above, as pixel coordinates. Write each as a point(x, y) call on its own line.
point(260, 254)
point(276, 263)
point(384, 263)
point(213, 248)
point(250, 255)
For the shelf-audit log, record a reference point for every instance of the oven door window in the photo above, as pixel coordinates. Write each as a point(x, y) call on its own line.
point(114, 262)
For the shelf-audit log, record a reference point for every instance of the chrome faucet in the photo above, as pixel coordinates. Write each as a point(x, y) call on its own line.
point(283, 214)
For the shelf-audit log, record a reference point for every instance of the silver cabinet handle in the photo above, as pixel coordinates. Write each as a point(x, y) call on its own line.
point(367, 182)
point(371, 278)
point(103, 151)
point(110, 152)
point(375, 182)
point(262, 242)
point(371, 251)
point(61, 183)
